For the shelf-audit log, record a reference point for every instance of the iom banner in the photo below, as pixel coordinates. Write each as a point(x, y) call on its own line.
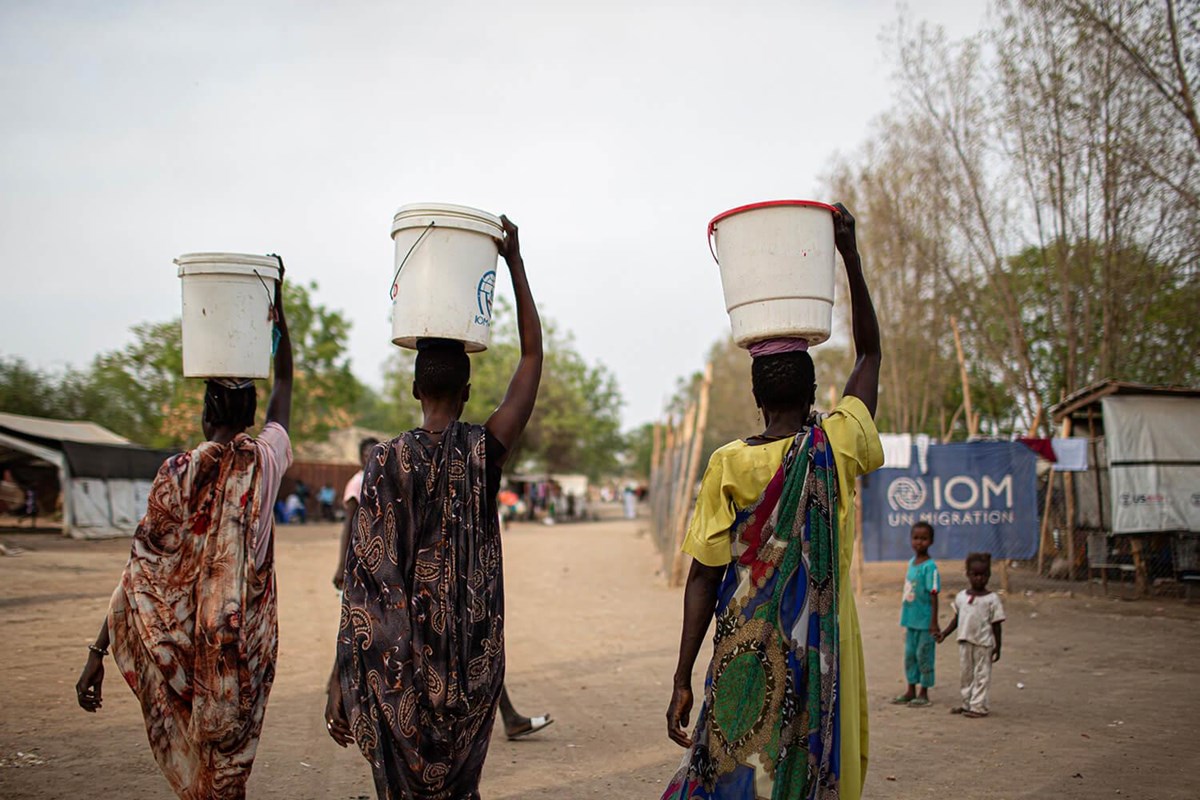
point(977, 495)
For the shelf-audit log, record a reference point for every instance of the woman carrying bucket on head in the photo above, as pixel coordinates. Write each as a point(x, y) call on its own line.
point(420, 647)
point(192, 624)
point(784, 711)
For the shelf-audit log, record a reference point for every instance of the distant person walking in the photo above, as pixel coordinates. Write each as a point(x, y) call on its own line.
point(29, 508)
point(325, 497)
point(772, 538)
point(420, 648)
point(350, 506)
point(293, 509)
point(192, 625)
point(919, 618)
point(978, 614)
point(630, 499)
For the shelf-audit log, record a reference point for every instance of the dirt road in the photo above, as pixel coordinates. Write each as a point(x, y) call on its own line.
point(1108, 707)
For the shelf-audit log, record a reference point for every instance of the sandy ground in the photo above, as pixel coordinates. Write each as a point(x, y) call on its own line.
point(1108, 709)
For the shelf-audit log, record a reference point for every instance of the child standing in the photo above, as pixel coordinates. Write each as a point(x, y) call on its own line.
point(977, 616)
point(919, 618)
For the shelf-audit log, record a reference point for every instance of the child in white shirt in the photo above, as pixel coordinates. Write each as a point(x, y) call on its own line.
point(977, 616)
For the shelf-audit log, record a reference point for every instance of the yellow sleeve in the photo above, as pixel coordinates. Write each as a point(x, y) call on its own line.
point(854, 438)
point(708, 539)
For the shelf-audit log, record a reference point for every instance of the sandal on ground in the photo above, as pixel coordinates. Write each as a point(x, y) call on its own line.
point(973, 714)
point(957, 710)
point(901, 700)
point(918, 702)
point(535, 725)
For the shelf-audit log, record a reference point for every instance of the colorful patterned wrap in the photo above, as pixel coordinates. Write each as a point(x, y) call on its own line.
point(768, 727)
point(193, 623)
point(420, 650)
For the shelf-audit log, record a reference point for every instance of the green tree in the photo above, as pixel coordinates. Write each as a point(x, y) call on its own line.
point(139, 391)
point(25, 390)
point(327, 394)
point(1150, 336)
point(393, 409)
point(575, 425)
point(639, 450)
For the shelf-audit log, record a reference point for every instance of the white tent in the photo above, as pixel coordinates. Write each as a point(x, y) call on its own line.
point(104, 479)
point(1153, 462)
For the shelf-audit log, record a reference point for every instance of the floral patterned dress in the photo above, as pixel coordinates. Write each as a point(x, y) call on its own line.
point(193, 622)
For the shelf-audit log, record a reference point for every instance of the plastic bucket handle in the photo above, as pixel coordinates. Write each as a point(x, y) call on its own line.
point(712, 223)
point(275, 333)
point(396, 278)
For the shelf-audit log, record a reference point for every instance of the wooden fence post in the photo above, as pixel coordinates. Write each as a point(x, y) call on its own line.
point(690, 473)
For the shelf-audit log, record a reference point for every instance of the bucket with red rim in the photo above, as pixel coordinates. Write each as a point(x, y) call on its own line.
point(777, 269)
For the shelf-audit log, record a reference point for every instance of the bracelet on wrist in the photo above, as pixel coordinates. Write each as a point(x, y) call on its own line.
point(100, 651)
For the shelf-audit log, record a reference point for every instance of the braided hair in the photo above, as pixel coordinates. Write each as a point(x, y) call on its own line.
point(784, 380)
point(231, 408)
point(442, 369)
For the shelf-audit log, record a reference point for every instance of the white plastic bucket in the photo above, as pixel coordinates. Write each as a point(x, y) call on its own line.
point(227, 327)
point(445, 274)
point(777, 269)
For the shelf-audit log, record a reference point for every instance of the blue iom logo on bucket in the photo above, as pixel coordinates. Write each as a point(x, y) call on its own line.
point(483, 294)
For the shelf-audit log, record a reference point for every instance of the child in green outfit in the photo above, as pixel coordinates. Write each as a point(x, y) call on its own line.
point(919, 618)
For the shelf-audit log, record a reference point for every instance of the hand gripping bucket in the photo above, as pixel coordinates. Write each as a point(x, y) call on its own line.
point(777, 269)
point(227, 304)
point(445, 274)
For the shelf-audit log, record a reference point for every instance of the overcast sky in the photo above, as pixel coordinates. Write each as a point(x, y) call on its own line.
point(610, 132)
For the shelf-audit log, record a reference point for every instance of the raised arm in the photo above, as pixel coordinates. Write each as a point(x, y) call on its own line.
point(508, 421)
point(864, 378)
point(279, 407)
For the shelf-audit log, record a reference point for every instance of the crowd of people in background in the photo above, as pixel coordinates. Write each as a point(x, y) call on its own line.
point(19, 498)
point(542, 500)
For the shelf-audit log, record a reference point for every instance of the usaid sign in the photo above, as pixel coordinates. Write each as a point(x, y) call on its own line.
point(977, 496)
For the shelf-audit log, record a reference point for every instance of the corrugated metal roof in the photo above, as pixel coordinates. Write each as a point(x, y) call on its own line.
point(59, 430)
point(1088, 395)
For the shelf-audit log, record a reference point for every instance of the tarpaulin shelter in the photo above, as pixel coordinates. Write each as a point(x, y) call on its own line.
point(1143, 490)
point(103, 478)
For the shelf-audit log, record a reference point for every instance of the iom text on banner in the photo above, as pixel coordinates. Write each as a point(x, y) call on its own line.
point(977, 495)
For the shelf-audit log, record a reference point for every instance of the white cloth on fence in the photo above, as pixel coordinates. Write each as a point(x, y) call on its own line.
point(897, 450)
point(1070, 455)
point(922, 440)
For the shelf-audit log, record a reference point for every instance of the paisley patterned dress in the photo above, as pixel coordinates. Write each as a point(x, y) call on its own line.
point(420, 651)
point(193, 622)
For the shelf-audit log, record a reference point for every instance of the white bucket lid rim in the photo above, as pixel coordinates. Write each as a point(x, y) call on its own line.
point(265, 267)
point(448, 214)
point(243, 259)
point(768, 204)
